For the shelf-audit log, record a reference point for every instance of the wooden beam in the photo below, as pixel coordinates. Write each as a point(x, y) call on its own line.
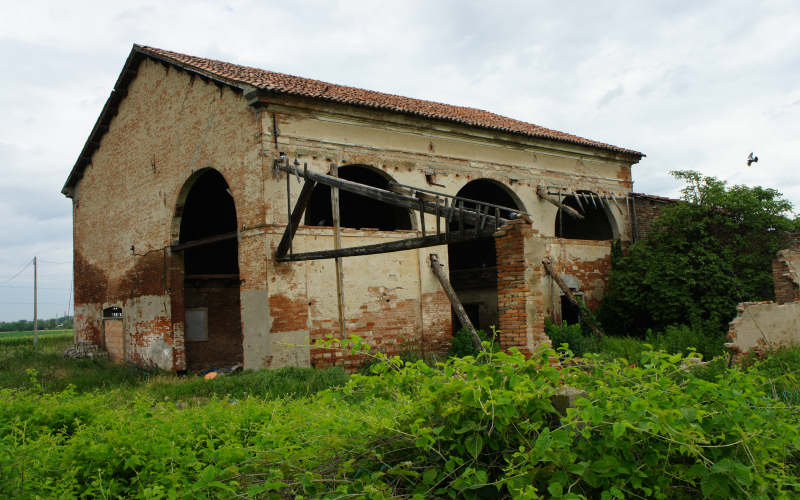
point(337, 244)
point(569, 210)
point(179, 247)
point(548, 266)
point(392, 246)
point(294, 221)
point(396, 199)
point(211, 276)
point(451, 294)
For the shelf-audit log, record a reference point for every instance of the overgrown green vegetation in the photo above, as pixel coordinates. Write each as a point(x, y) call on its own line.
point(472, 427)
point(674, 339)
point(701, 259)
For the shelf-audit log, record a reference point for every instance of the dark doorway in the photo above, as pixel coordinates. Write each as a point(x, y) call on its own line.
point(595, 224)
point(356, 211)
point(212, 326)
point(570, 313)
point(473, 264)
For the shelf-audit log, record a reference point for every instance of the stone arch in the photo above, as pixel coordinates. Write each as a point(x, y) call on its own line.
point(473, 264)
point(356, 211)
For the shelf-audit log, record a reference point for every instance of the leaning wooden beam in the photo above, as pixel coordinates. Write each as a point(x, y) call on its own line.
point(569, 210)
point(204, 241)
point(294, 221)
point(451, 294)
point(392, 246)
point(548, 266)
point(412, 203)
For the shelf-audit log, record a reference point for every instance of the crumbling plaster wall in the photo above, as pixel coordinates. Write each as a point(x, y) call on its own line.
point(406, 148)
point(763, 326)
point(172, 124)
point(167, 127)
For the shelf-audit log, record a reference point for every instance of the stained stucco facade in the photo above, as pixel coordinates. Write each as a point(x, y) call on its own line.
point(172, 127)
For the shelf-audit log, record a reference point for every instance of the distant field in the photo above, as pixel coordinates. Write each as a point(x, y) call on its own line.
point(45, 333)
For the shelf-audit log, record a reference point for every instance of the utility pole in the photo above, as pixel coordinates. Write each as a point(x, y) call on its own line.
point(35, 289)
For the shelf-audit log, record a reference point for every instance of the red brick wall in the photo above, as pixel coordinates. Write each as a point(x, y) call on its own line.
point(786, 289)
point(647, 210)
point(519, 300)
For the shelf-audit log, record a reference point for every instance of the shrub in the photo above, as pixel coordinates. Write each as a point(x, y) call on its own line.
point(574, 335)
point(461, 345)
point(702, 257)
point(683, 338)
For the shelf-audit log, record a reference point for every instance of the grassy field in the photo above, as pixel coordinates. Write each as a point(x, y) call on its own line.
point(467, 428)
point(10, 336)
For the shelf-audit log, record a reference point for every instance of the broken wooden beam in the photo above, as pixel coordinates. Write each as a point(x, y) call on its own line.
point(548, 266)
point(392, 246)
point(455, 302)
point(409, 202)
point(540, 191)
point(296, 217)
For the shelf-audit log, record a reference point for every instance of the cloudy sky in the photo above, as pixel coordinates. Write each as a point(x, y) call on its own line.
point(694, 85)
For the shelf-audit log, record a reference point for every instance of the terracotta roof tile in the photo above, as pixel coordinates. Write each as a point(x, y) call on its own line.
point(306, 87)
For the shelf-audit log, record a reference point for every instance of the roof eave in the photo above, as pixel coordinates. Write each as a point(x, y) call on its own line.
point(256, 96)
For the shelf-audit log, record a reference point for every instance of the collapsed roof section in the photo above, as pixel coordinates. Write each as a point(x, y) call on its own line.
point(244, 78)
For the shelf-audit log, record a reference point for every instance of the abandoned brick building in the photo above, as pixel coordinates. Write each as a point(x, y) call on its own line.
point(204, 224)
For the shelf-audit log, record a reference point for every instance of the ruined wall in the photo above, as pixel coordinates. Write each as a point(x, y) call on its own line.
point(646, 208)
point(763, 326)
point(168, 126)
point(584, 266)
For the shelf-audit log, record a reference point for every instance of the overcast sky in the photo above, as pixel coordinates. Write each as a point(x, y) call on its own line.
point(694, 85)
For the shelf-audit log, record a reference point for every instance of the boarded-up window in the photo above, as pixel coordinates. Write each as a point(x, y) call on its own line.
point(197, 324)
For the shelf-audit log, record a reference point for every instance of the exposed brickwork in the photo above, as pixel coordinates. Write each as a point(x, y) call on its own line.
point(224, 344)
point(647, 209)
point(520, 301)
point(786, 270)
point(171, 125)
point(591, 274)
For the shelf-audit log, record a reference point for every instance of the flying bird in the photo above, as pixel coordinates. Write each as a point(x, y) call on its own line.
point(751, 159)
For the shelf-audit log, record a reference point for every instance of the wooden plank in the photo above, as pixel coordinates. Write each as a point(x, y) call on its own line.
point(451, 294)
point(204, 241)
point(297, 216)
point(569, 210)
point(337, 244)
point(392, 246)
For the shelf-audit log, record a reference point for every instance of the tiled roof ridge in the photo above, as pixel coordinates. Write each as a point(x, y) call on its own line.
point(307, 87)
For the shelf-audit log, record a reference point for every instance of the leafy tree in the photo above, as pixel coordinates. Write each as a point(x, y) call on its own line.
point(704, 256)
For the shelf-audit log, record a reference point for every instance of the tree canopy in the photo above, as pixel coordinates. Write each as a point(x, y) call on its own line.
point(704, 255)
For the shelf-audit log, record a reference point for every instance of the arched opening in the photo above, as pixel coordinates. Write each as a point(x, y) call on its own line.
point(473, 264)
point(595, 224)
point(212, 327)
point(356, 211)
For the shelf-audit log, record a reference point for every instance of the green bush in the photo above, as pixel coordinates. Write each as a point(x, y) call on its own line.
point(683, 338)
point(579, 341)
point(703, 256)
point(461, 345)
